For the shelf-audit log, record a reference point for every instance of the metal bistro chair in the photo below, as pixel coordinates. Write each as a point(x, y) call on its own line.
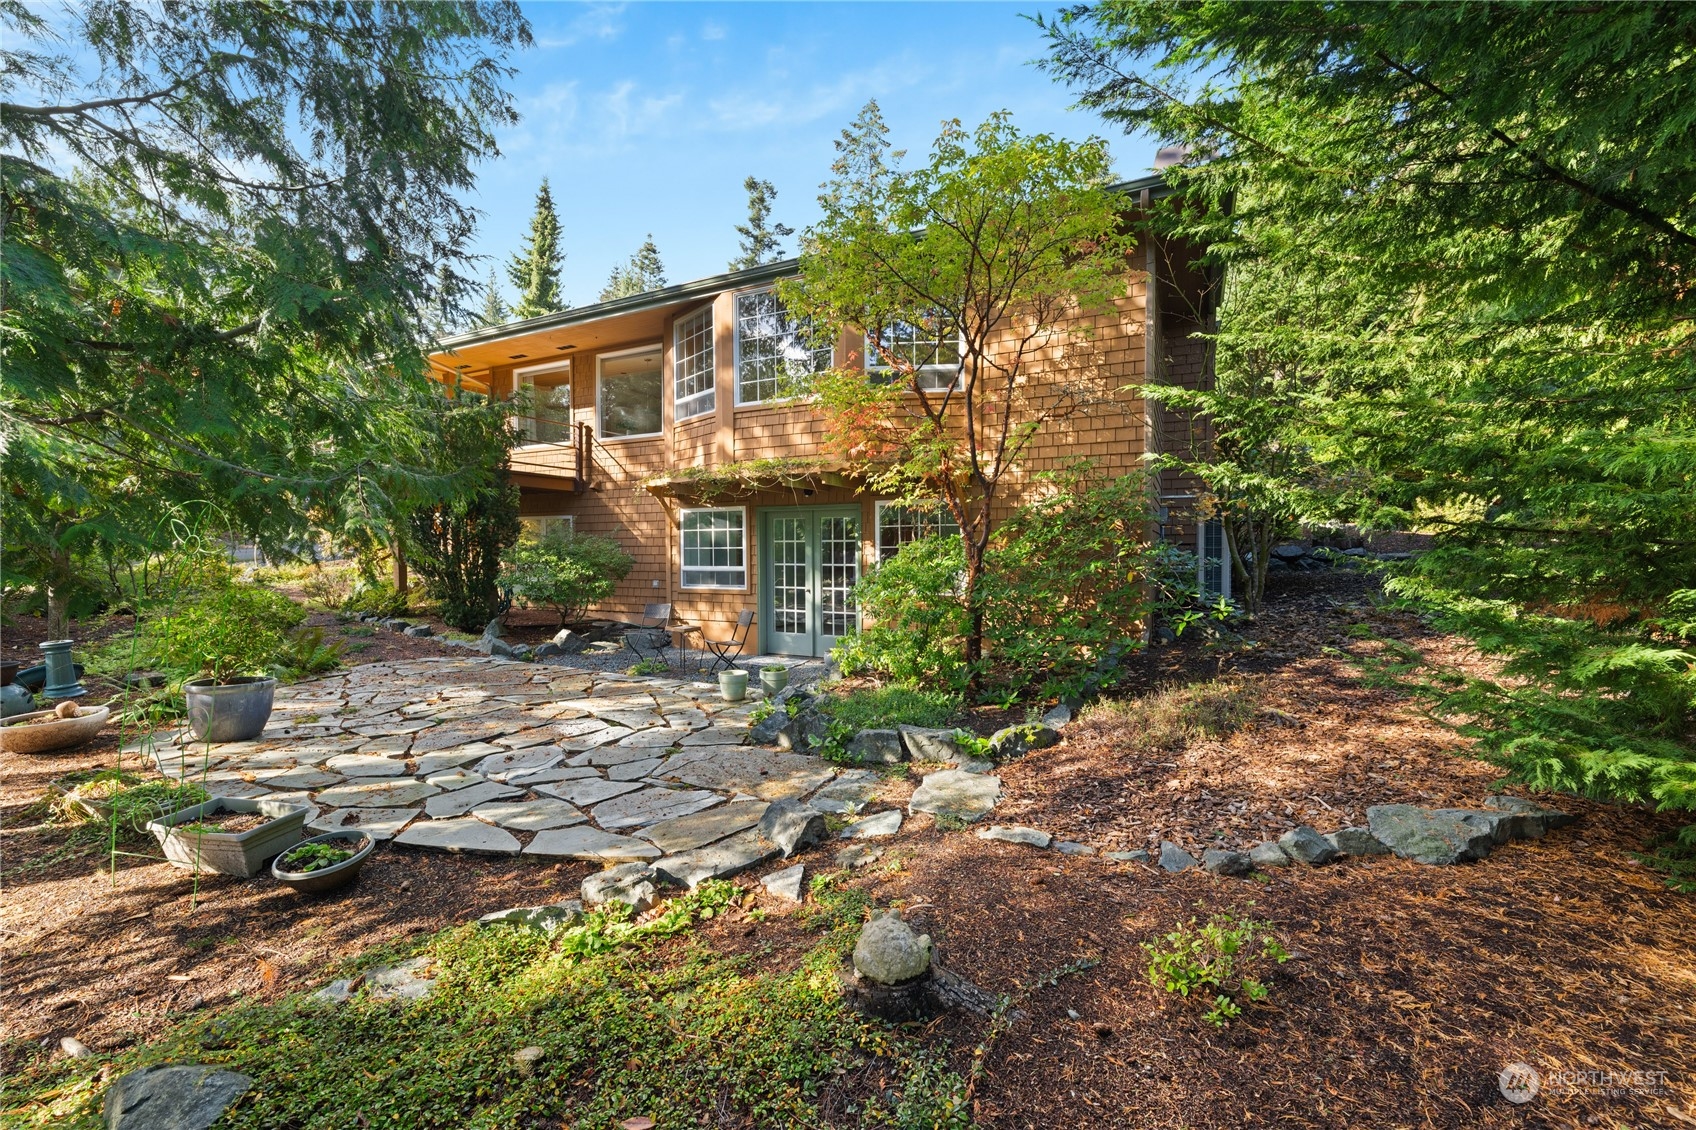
point(651, 639)
point(725, 652)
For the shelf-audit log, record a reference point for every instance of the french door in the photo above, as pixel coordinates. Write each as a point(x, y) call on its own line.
point(809, 564)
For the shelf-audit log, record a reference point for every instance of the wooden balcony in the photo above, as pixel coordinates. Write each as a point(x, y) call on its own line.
point(556, 464)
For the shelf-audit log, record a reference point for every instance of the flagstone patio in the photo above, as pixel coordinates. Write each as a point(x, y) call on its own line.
point(494, 756)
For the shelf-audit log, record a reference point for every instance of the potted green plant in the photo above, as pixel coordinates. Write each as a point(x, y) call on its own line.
point(323, 863)
point(733, 684)
point(230, 636)
point(229, 835)
point(774, 678)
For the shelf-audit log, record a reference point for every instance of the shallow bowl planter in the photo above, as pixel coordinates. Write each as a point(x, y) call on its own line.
point(229, 712)
point(774, 679)
point(21, 734)
point(230, 853)
point(733, 685)
point(326, 878)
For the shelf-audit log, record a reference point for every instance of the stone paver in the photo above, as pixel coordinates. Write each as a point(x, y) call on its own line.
point(463, 835)
point(485, 755)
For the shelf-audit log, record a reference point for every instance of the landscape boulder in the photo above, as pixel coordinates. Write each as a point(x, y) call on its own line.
point(1016, 741)
point(789, 826)
point(877, 747)
point(628, 883)
point(172, 1097)
point(553, 916)
point(769, 729)
point(889, 952)
point(1030, 837)
point(569, 642)
point(1221, 862)
point(926, 744)
point(1269, 855)
point(1174, 858)
point(1439, 836)
point(420, 631)
point(1531, 821)
point(1305, 845)
point(1357, 842)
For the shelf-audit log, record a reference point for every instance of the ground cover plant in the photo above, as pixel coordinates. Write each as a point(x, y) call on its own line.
point(314, 857)
point(633, 1019)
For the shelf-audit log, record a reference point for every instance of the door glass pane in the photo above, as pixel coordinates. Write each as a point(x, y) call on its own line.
point(789, 576)
point(839, 568)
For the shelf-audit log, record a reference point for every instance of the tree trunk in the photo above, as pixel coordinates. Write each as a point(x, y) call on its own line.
point(58, 611)
point(974, 618)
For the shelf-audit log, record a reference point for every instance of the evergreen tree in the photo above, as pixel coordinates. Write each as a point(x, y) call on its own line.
point(535, 271)
point(198, 285)
point(760, 237)
point(1469, 235)
point(494, 311)
point(643, 273)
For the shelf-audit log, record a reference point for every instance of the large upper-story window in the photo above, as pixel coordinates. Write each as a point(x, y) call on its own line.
point(629, 393)
point(546, 390)
point(714, 547)
point(692, 364)
point(931, 353)
point(773, 350)
point(899, 523)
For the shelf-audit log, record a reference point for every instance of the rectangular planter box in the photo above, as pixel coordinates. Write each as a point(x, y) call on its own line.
point(227, 853)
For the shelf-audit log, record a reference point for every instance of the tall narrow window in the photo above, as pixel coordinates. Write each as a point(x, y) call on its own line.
point(537, 527)
point(1215, 558)
point(773, 350)
point(692, 364)
point(930, 351)
point(898, 524)
point(630, 391)
point(715, 548)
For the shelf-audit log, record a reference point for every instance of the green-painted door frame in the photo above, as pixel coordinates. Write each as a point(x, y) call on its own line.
point(809, 559)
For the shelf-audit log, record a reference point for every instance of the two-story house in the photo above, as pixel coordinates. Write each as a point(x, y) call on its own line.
point(666, 420)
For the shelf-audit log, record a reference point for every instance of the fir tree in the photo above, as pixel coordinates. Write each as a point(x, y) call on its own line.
point(494, 311)
point(534, 271)
point(760, 237)
point(1464, 237)
point(643, 273)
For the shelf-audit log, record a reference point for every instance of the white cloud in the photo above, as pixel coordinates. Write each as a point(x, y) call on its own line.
point(603, 22)
point(711, 31)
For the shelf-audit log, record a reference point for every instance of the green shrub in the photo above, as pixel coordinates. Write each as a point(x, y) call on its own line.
point(378, 597)
point(566, 572)
point(306, 653)
point(457, 544)
point(229, 631)
point(914, 623)
point(1215, 958)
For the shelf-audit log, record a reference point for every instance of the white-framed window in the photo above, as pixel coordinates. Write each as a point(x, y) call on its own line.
point(692, 364)
point(535, 527)
point(899, 523)
point(628, 392)
point(714, 548)
point(932, 353)
point(1213, 559)
point(547, 392)
point(773, 350)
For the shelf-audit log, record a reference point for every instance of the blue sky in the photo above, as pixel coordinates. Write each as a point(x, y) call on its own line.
point(647, 117)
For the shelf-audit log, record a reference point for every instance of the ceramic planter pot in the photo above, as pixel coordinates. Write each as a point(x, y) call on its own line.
point(773, 679)
point(733, 685)
point(326, 878)
point(230, 853)
point(229, 712)
point(27, 734)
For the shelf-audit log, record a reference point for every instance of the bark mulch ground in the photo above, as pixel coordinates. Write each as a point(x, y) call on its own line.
point(1411, 988)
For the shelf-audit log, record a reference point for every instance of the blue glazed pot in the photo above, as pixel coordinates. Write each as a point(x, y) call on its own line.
point(235, 711)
